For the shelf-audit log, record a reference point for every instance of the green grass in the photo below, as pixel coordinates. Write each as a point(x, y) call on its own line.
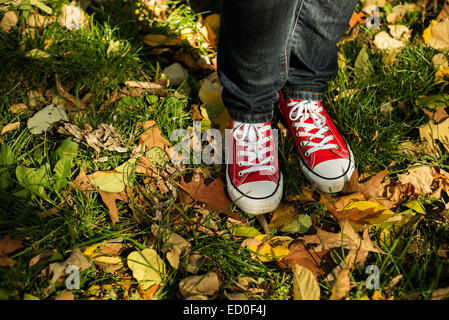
point(80, 57)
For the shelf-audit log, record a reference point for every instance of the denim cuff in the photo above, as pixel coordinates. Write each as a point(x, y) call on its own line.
point(303, 94)
point(251, 118)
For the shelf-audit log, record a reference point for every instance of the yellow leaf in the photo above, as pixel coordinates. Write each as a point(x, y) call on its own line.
point(385, 237)
point(431, 132)
point(272, 247)
point(213, 21)
point(442, 74)
point(360, 213)
point(210, 90)
point(305, 286)
point(108, 181)
point(155, 40)
point(147, 267)
point(377, 295)
point(364, 298)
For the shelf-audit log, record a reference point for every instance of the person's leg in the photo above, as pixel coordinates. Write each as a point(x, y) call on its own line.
point(313, 51)
point(325, 158)
point(252, 66)
point(252, 55)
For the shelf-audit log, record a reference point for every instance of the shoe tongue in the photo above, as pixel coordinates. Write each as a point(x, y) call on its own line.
point(251, 135)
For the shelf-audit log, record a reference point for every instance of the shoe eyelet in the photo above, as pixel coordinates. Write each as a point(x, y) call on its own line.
point(240, 174)
point(272, 169)
point(240, 163)
point(271, 158)
point(297, 134)
point(307, 153)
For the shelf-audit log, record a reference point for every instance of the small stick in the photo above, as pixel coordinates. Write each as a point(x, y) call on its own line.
point(263, 222)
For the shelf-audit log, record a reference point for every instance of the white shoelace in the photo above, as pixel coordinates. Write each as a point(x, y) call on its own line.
point(252, 138)
point(300, 112)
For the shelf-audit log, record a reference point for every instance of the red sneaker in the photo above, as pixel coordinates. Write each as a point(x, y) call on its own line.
point(253, 178)
point(325, 158)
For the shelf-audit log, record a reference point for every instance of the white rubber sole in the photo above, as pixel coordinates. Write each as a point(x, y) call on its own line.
point(328, 185)
point(251, 205)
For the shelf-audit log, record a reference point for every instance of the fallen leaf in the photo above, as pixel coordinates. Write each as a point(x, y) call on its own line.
point(305, 285)
point(10, 127)
point(157, 88)
point(57, 270)
point(241, 230)
point(400, 32)
point(440, 294)
point(371, 189)
point(194, 188)
point(308, 258)
point(148, 294)
point(147, 267)
point(437, 35)
point(300, 224)
point(438, 116)
point(439, 60)
point(281, 215)
point(8, 21)
point(420, 178)
point(384, 41)
point(7, 246)
point(363, 67)
point(361, 213)
point(342, 285)
point(18, 108)
point(175, 73)
point(152, 136)
point(357, 18)
point(42, 120)
point(157, 40)
point(41, 256)
point(206, 285)
point(271, 248)
point(37, 54)
point(73, 17)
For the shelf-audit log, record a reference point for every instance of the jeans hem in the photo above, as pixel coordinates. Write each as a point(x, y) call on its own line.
point(251, 118)
point(304, 94)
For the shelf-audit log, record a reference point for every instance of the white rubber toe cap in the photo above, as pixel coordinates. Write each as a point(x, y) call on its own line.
point(332, 169)
point(256, 197)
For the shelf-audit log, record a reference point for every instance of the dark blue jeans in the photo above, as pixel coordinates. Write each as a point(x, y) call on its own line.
point(269, 45)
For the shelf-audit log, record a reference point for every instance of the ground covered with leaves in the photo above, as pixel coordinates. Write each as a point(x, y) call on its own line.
point(92, 207)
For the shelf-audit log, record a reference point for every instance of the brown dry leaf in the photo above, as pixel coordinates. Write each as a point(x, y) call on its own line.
point(440, 294)
point(341, 202)
point(212, 194)
point(10, 127)
point(357, 18)
point(8, 21)
point(78, 103)
point(371, 189)
point(158, 88)
point(342, 285)
point(444, 13)
point(106, 254)
point(41, 256)
point(57, 270)
point(186, 59)
point(308, 258)
point(206, 285)
point(18, 107)
point(7, 246)
point(152, 136)
point(431, 132)
point(400, 32)
point(347, 238)
point(439, 35)
point(420, 178)
point(439, 115)
point(37, 20)
point(384, 41)
point(149, 293)
point(36, 97)
point(104, 137)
